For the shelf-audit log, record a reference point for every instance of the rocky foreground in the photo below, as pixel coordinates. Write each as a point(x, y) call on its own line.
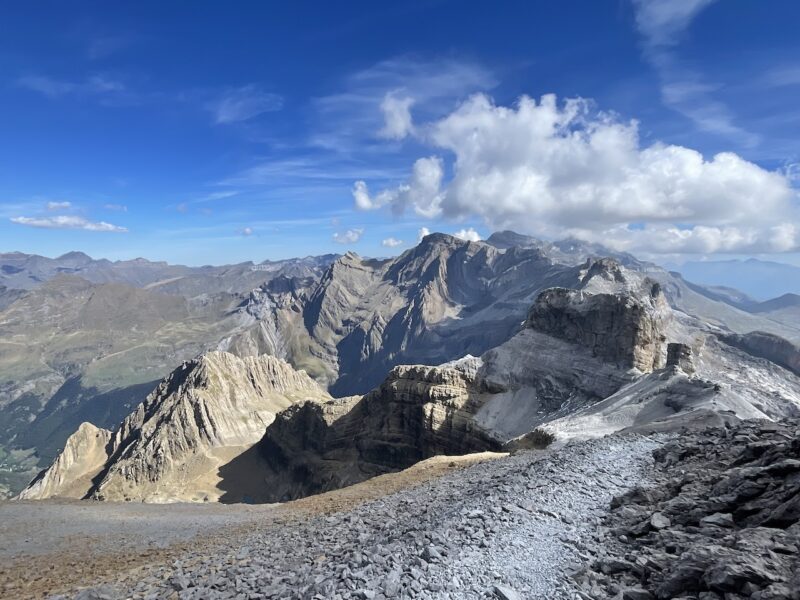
point(710, 514)
point(508, 528)
point(722, 521)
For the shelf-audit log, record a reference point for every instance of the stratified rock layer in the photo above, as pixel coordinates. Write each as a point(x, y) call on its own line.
point(622, 328)
point(177, 443)
point(418, 412)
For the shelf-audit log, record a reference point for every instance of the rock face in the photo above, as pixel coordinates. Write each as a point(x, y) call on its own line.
point(417, 412)
point(621, 328)
point(768, 346)
point(722, 520)
point(207, 413)
point(71, 474)
point(680, 356)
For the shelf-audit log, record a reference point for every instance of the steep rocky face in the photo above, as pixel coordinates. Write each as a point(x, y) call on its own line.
point(204, 415)
point(680, 356)
point(71, 474)
point(417, 412)
point(438, 301)
point(767, 346)
point(626, 329)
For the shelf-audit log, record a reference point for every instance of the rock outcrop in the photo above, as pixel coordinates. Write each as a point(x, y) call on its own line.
point(622, 328)
point(70, 476)
point(176, 444)
point(722, 521)
point(417, 412)
point(681, 356)
point(767, 346)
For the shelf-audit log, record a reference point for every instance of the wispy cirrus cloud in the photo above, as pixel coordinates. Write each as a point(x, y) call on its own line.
point(662, 23)
point(116, 207)
point(243, 103)
point(375, 103)
point(68, 222)
point(58, 205)
point(54, 88)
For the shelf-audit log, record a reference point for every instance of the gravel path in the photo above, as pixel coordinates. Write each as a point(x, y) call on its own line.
point(510, 528)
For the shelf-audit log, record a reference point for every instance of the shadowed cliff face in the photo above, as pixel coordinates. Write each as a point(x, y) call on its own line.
point(621, 328)
point(416, 413)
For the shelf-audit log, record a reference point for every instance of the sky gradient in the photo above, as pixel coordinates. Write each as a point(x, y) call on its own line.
point(213, 133)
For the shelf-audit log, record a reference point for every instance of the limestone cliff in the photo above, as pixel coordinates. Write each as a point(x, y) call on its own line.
point(416, 413)
point(623, 328)
point(70, 476)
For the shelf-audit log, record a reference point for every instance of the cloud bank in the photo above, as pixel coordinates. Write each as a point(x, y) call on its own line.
point(564, 169)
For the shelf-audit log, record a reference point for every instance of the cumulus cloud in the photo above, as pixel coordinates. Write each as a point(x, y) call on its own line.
point(468, 235)
point(422, 192)
point(67, 222)
point(244, 103)
point(423, 231)
point(396, 110)
point(561, 168)
point(351, 236)
point(58, 205)
point(391, 242)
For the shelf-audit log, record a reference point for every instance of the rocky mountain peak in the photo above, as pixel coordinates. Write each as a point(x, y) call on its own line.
point(202, 416)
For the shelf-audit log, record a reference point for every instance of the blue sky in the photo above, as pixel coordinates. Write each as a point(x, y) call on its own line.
point(220, 132)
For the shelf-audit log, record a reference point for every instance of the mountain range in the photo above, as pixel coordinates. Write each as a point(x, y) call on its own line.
point(549, 339)
point(760, 280)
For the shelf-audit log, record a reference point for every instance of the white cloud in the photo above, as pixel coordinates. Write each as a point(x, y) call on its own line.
point(58, 205)
point(468, 235)
point(351, 236)
point(421, 192)
point(117, 207)
point(558, 169)
point(662, 21)
point(423, 232)
point(375, 102)
point(397, 116)
point(241, 104)
point(661, 24)
point(247, 231)
point(67, 222)
point(391, 242)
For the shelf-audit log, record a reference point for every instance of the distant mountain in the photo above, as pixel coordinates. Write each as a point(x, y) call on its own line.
point(607, 355)
point(28, 271)
point(759, 279)
point(74, 349)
